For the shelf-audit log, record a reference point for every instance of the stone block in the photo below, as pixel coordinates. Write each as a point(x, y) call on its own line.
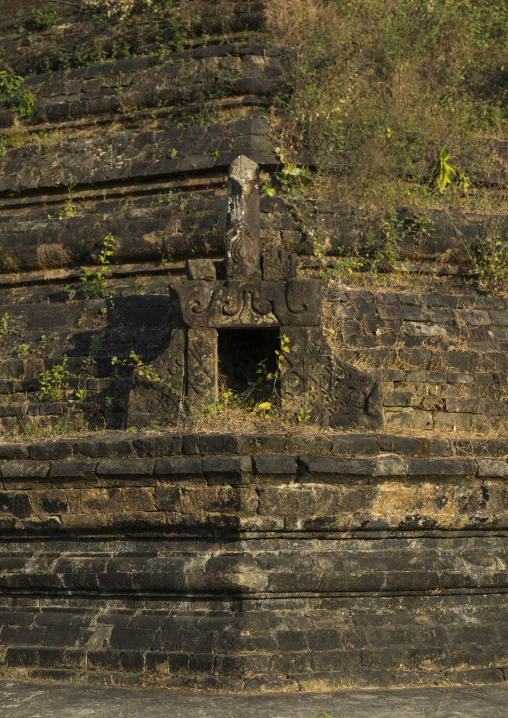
point(218, 443)
point(309, 444)
point(24, 469)
point(339, 467)
point(180, 466)
point(441, 467)
point(73, 469)
point(261, 443)
point(389, 466)
point(492, 468)
point(201, 269)
point(224, 468)
point(45, 450)
point(404, 445)
point(157, 446)
point(122, 467)
point(354, 445)
point(275, 464)
point(457, 405)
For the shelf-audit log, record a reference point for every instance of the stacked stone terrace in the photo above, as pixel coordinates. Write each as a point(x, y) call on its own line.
point(242, 562)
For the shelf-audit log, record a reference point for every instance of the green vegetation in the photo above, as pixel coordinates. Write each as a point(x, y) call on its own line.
point(52, 381)
point(490, 262)
point(14, 94)
point(45, 18)
point(290, 180)
point(71, 208)
point(380, 88)
point(5, 326)
point(94, 283)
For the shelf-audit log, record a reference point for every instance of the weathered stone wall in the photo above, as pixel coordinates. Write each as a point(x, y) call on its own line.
point(238, 562)
point(281, 561)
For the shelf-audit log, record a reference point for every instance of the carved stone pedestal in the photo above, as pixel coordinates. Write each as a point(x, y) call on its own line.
point(231, 326)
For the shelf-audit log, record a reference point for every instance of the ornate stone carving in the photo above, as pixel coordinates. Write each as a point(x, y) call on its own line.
point(334, 392)
point(278, 265)
point(160, 400)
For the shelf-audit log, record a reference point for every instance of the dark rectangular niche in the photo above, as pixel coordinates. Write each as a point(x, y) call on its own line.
point(239, 354)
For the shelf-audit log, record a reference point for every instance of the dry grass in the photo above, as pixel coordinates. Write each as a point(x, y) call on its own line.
point(378, 88)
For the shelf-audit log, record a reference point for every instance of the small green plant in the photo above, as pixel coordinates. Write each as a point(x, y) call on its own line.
point(119, 84)
point(14, 93)
point(71, 293)
point(304, 414)
point(289, 180)
point(52, 381)
point(70, 208)
point(79, 394)
point(97, 344)
point(490, 262)
point(44, 19)
point(445, 174)
point(23, 349)
point(95, 282)
point(5, 327)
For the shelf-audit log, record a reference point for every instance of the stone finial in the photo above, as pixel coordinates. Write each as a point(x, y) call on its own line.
point(243, 242)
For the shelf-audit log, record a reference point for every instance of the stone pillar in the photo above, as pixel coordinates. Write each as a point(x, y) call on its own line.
point(243, 242)
point(202, 366)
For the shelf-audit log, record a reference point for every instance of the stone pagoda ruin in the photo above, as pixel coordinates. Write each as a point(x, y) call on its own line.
point(227, 317)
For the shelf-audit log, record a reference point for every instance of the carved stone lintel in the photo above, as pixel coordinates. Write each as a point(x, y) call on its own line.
point(221, 304)
point(243, 243)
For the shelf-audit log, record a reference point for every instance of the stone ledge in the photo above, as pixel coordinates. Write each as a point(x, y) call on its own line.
point(225, 468)
point(278, 569)
point(319, 446)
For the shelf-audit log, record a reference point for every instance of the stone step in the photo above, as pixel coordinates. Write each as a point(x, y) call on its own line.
point(27, 50)
point(134, 157)
point(247, 649)
point(196, 75)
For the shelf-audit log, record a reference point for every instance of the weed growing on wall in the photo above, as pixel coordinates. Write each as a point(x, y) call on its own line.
point(71, 208)
point(379, 89)
point(290, 180)
point(95, 282)
point(52, 381)
point(14, 93)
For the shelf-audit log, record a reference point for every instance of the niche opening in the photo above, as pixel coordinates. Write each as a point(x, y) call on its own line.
point(239, 354)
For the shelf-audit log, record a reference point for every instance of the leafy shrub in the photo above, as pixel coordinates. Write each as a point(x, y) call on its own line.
point(44, 19)
point(52, 381)
point(13, 93)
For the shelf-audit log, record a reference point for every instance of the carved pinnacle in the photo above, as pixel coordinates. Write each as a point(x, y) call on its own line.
point(243, 242)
